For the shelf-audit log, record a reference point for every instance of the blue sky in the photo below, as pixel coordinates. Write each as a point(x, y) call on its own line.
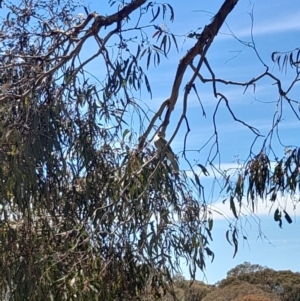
point(276, 27)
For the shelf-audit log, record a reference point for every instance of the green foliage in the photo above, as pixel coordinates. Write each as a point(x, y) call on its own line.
point(282, 284)
point(239, 290)
point(244, 268)
point(85, 215)
point(245, 282)
point(264, 182)
point(185, 290)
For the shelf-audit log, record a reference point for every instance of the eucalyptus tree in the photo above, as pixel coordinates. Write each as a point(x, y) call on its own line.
point(90, 209)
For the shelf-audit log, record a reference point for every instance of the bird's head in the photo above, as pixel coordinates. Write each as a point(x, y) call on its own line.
point(161, 134)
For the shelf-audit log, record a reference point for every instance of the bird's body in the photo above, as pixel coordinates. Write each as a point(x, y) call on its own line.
point(160, 143)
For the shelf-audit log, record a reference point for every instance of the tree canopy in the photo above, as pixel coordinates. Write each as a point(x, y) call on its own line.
point(252, 282)
point(283, 285)
point(89, 208)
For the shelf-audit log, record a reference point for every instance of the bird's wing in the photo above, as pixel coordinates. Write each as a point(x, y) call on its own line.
point(173, 160)
point(160, 143)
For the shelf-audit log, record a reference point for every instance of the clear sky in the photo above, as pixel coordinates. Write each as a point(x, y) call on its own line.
point(276, 27)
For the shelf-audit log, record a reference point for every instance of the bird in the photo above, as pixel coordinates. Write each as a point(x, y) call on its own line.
point(160, 142)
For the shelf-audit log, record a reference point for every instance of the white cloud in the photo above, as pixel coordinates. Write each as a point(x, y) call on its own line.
point(291, 23)
point(261, 208)
point(267, 27)
point(220, 210)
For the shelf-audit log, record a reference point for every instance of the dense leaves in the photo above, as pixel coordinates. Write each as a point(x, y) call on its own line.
point(282, 284)
point(84, 215)
point(245, 282)
point(239, 290)
point(266, 182)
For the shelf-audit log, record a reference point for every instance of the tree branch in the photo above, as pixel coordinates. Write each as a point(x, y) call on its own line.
point(201, 47)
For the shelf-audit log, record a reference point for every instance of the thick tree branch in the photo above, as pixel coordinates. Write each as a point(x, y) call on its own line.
point(201, 47)
point(120, 15)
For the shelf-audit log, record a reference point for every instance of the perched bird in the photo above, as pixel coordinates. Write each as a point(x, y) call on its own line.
point(160, 142)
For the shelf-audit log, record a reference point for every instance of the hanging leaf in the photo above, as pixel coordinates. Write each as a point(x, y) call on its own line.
point(156, 33)
point(232, 207)
point(209, 233)
point(227, 237)
point(274, 56)
point(204, 170)
point(287, 217)
point(143, 53)
point(235, 241)
point(172, 13)
point(277, 215)
point(156, 14)
point(148, 85)
point(197, 180)
point(175, 42)
point(148, 59)
point(210, 253)
point(125, 133)
point(210, 223)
